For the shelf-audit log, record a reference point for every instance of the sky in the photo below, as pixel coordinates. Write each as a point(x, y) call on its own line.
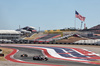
point(48, 14)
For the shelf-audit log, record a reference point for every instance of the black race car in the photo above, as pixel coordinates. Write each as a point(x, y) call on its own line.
point(40, 58)
point(24, 55)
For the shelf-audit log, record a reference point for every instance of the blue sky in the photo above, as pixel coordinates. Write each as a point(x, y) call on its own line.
point(48, 14)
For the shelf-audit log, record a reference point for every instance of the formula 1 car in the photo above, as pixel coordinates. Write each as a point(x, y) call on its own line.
point(40, 58)
point(24, 55)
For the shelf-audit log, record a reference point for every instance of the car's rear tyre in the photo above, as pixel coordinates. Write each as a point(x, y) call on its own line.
point(45, 59)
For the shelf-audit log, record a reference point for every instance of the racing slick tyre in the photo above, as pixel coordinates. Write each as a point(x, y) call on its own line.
point(45, 58)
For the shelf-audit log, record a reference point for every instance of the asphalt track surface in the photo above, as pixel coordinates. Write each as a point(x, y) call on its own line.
point(32, 52)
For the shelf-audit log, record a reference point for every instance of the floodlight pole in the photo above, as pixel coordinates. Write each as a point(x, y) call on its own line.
point(39, 29)
point(81, 24)
point(19, 26)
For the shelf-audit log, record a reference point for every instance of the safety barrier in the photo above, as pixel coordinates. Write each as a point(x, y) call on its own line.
point(33, 42)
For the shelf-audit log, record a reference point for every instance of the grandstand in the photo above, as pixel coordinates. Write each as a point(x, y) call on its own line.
point(34, 36)
point(27, 29)
point(95, 29)
point(10, 34)
point(71, 39)
point(47, 37)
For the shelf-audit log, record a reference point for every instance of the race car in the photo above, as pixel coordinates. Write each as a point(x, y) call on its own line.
point(40, 58)
point(24, 55)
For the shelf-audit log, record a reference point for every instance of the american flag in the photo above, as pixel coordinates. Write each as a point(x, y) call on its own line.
point(77, 15)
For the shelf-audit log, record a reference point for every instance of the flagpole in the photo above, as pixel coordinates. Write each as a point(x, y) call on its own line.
point(75, 21)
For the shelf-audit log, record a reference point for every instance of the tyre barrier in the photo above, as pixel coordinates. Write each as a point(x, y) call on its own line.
point(1, 55)
point(0, 50)
point(32, 42)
